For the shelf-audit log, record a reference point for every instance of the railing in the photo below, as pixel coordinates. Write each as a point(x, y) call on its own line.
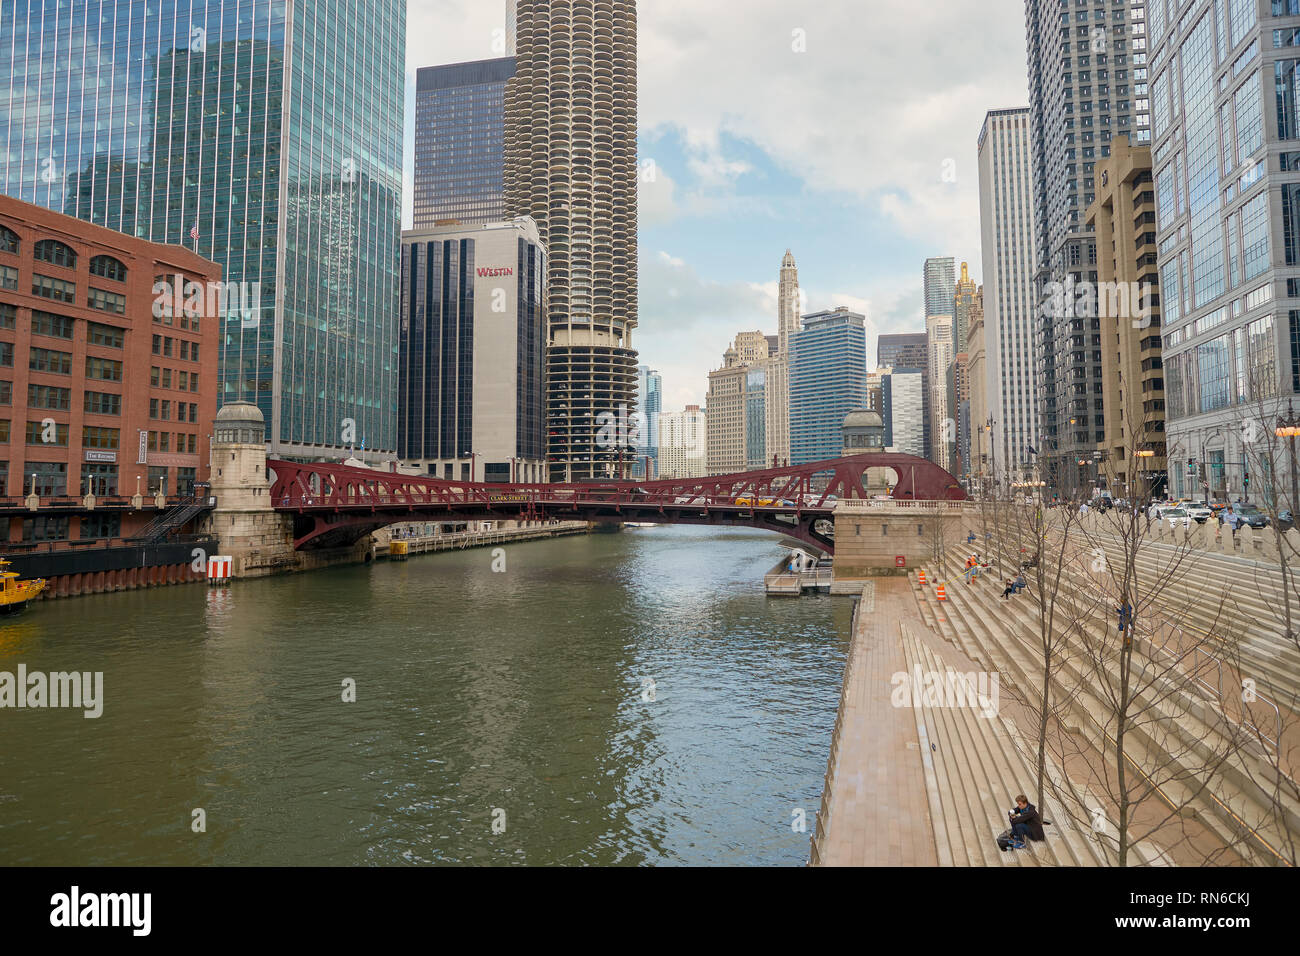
point(889, 504)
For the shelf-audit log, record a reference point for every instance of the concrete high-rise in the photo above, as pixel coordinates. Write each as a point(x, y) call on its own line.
point(1133, 377)
point(471, 389)
point(1006, 372)
point(683, 444)
point(828, 379)
point(910, 350)
point(460, 142)
point(571, 164)
point(943, 427)
point(265, 136)
point(1088, 82)
point(901, 390)
point(778, 366)
point(977, 378)
point(963, 300)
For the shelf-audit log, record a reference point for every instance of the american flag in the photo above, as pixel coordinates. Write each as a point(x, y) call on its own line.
point(194, 232)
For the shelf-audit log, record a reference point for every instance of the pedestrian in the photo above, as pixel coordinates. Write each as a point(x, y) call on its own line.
point(1009, 590)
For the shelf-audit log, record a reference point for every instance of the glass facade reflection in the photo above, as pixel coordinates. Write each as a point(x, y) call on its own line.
point(460, 142)
point(266, 136)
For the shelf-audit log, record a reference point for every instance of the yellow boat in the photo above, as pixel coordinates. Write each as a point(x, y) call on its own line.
point(15, 592)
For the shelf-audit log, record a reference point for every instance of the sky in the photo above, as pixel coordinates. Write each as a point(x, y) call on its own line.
point(843, 130)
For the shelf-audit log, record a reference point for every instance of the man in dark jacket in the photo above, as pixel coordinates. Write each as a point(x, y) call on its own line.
point(1025, 820)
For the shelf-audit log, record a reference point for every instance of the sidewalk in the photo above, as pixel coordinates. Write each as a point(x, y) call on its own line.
point(879, 814)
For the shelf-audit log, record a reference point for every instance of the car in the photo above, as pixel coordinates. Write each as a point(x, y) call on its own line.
point(1200, 511)
point(1175, 516)
point(1249, 514)
point(749, 501)
point(1285, 520)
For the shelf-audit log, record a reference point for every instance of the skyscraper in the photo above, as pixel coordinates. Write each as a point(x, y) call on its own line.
point(1087, 82)
point(682, 444)
point(1226, 158)
point(943, 427)
point(571, 124)
point(963, 300)
point(460, 142)
point(649, 400)
point(910, 350)
point(265, 136)
point(470, 396)
point(901, 410)
point(778, 366)
point(1005, 370)
point(828, 379)
point(939, 288)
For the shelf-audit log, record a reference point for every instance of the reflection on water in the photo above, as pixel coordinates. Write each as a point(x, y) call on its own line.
point(516, 697)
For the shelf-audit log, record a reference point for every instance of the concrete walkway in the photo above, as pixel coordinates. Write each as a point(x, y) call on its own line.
point(879, 812)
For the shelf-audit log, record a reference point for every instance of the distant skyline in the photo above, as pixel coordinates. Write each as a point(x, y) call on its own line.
point(861, 161)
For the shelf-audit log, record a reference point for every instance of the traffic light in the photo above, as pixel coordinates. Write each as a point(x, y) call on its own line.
point(1245, 483)
point(1191, 466)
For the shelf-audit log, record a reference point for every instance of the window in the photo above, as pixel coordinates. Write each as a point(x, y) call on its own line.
point(45, 478)
point(154, 376)
point(47, 432)
point(103, 403)
point(47, 528)
point(8, 278)
point(101, 525)
point(194, 382)
point(182, 380)
point(104, 370)
point(56, 289)
point(49, 396)
point(47, 360)
point(167, 347)
point(8, 316)
point(55, 326)
point(106, 267)
point(6, 393)
point(6, 355)
point(106, 301)
point(166, 378)
point(4, 431)
point(108, 336)
point(8, 240)
point(98, 479)
point(93, 436)
point(55, 253)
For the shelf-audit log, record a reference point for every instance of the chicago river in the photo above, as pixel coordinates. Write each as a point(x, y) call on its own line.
point(626, 698)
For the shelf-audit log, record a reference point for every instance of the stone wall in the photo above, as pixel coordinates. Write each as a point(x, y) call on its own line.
point(870, 536)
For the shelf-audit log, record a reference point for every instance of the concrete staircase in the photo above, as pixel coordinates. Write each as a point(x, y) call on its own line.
point(1002, 636)
point(974, 769)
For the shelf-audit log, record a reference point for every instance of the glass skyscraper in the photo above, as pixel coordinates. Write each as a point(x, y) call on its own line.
point(650, 401)
point(1226, 165)
point(460, 131)
point(263, 134)
point(828, 379)
point(940, 285)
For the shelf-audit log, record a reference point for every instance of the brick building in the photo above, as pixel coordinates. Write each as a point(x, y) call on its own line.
point(106, 386)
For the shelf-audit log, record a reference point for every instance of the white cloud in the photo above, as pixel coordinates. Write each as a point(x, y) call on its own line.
point(881, 99)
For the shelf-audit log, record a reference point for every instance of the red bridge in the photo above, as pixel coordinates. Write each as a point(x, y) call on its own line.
point(334, 505)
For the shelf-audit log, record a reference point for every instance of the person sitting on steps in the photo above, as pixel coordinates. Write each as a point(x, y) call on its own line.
point(1010, 589)
point(1019, 584)
point(1025, 822)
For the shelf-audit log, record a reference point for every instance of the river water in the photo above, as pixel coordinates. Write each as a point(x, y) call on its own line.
point(626, 698)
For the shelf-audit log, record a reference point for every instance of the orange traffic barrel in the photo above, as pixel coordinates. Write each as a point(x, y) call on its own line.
point(921, 573)
point(943, 595)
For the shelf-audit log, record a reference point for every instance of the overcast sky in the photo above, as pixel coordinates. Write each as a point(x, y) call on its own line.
point(836, 151)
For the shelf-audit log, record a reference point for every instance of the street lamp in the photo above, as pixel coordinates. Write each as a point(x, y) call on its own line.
point(1289, 428)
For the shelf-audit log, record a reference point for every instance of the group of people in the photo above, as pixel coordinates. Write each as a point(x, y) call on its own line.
point(1015, 586)
point(974, 565)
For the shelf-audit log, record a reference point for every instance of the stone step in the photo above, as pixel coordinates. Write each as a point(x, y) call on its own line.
point(1191, 734)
